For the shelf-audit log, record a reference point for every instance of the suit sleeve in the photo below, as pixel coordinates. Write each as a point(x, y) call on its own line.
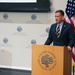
point(49, 39)
point(71, 36)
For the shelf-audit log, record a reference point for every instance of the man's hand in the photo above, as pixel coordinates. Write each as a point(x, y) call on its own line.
point(69, 48)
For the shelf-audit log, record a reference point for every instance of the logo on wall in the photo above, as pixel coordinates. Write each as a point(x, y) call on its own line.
point(5, 40)
point(47, 30)
point(47, 60)
point(33, 17)
point(5, 16)
point(19, 29)
point(33, 41)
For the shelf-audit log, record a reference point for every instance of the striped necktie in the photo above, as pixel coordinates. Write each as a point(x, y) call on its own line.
point(58, 31)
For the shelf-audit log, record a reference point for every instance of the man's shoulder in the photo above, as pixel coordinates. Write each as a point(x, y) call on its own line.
point(54, 24)
point(68, 24)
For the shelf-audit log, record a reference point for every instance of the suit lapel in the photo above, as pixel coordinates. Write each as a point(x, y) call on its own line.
point(55, 29)
point(63, 27)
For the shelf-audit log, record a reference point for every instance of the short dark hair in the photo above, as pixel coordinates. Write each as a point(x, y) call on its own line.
point(61, 12)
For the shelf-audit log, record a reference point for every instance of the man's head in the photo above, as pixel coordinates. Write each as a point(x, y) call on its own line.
point(59, 16)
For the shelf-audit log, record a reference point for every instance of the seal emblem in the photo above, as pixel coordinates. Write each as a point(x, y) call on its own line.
point(47, 60)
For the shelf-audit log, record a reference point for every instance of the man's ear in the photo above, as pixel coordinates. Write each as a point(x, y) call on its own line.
point(63, 18)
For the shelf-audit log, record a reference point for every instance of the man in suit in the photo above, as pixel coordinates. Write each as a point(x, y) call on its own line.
point(61, 33)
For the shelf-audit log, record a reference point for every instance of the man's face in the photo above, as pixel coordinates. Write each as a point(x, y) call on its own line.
point(58, 17)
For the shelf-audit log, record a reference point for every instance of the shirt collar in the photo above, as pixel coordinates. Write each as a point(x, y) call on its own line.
point(60, 24)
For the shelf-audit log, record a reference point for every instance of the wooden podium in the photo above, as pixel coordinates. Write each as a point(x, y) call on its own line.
point(51, 60)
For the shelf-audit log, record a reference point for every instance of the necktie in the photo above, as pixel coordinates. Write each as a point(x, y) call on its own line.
point(58, 32)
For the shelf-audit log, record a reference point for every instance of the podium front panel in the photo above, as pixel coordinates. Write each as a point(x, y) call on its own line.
point(47, 60)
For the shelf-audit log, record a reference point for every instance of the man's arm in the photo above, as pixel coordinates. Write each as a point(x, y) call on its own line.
point(71, 38)
point(49, 39)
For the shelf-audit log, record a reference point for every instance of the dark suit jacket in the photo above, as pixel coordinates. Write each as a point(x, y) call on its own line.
point(66, 37)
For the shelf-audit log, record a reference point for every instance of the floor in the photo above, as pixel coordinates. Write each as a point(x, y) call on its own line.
point(14, 72)
point(4, 71)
